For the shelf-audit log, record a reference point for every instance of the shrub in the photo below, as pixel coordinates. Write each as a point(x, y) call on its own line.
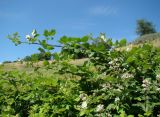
point(111, 83)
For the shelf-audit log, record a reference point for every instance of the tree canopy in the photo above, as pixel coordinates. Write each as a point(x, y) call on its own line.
point(145, 27)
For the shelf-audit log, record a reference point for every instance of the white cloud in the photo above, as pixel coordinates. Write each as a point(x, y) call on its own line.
point(103, 10)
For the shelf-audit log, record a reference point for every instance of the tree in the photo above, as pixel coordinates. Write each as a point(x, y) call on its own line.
point(38, 57)
point(145, 27)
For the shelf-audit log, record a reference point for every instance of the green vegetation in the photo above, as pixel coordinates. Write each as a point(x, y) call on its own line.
point(144, 27)
point(38, 57)
point(108, 83)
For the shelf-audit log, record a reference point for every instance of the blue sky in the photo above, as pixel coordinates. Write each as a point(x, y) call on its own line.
point(116, 18)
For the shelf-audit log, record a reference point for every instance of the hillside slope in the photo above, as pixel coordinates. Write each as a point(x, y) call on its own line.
point(150, 38)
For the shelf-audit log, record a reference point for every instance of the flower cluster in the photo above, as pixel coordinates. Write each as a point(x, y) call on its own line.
point(158, 115)
point(108, 115)
point(114, 64)
point(84, 105)
point(83, 96)
point(129, 47)
point(105, 86)
point(103, 37)
point(158, 89)
point(146, 84)
point(32, 36)
point(158, 76)
point(113, 61)
point(127, 75)
point(100, 108)
point(116, 99)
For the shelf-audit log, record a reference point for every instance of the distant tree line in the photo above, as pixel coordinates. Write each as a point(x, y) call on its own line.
point(38, 57)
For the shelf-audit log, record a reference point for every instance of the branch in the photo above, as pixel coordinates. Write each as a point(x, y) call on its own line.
point(40, 44)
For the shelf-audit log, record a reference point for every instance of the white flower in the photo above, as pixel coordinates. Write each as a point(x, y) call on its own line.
point(128, 49)
point(28, 37)
point(158, 89)
point(103, 94)
point(102, 37)
point(100, 108)
point(158, 76)
point(105, 86)
point(145, 84)
point(116, 59)
point(124, 69)
point(108, 115)
point(84, 105)
point(110, 63)
point(34, 32)
point(83, 96)
point(158, 115)
point(116, 99)
point(126, 75)
point(94, 94)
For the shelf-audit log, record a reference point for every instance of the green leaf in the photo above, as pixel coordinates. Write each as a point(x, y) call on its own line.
point(84, 112)
point(123, 42)
point(109, 42)
point(45, 63)
point(64, 40)
point(51, 32)
point(111, 106)
point(41, 50)
point(123, 114)
point(49, 47)
point(15, 38)
point(130, 115)
point(56, 56)
point(77, 99)
point(85, 39)
point(45, 33)
point(131, 59)
point(139, 115)
point(148, 113)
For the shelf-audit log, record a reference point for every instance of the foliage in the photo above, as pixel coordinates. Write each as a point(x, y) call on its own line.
point(38, 57)
point(74, 46)
point(110, 83)
point(144, 27)
point(7, 62)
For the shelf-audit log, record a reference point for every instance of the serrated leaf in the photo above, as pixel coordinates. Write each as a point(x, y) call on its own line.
point(49, 47)
point(63, 40)
point(52, 32)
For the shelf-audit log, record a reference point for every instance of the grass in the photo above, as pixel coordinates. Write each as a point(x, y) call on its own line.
point(153, 38)
point(24, 67)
